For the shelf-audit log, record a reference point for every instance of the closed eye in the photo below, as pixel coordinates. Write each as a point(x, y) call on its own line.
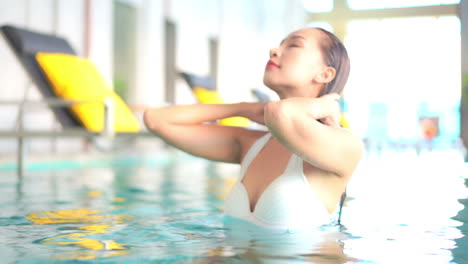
point(294, 41)
point(295, 45)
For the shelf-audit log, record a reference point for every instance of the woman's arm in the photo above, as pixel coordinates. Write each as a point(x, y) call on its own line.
point(310, 128)
point(185, 127)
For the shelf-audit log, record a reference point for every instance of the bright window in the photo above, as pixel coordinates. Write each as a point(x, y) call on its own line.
point(402, 69)
point(318, 6)
point(325, 25)
point(376, 4)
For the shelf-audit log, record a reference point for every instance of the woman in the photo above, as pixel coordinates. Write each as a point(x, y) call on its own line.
point(293, 175)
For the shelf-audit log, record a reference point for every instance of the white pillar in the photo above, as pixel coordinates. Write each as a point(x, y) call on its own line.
point(101, 37)
point(149, 75)
point(464, 58)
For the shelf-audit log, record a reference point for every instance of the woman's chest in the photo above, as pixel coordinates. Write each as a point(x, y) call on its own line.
point(264, 169)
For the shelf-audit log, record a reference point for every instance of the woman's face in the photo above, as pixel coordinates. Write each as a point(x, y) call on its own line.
point(296, 67)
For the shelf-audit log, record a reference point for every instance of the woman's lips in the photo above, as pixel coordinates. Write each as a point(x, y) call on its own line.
point(271, 64)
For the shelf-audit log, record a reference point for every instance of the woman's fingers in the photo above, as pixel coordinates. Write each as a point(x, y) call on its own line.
point(332, 96)
point(332, 121)
point(332, 111)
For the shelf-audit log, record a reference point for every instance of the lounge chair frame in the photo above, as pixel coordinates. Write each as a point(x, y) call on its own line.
point(25, 44)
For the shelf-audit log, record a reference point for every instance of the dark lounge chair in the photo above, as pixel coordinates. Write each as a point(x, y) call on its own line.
point(25, 44)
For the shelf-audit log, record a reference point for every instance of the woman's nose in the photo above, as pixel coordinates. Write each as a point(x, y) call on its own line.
point(273, 52)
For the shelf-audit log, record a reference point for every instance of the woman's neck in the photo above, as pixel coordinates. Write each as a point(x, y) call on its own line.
point(310, 92)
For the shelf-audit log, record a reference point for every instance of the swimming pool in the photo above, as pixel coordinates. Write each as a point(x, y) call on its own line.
point(402, 208)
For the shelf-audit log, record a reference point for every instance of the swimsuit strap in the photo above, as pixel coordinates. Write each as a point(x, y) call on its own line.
point(256, 147)
point(299, 165)
point(295, 165)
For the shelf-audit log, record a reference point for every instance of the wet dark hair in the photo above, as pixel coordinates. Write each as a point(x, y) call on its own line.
point(336, 57)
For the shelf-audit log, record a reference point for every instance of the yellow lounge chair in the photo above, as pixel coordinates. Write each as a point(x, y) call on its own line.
point(71, 86)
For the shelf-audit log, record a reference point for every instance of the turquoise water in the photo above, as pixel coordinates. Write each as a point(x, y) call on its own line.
point(403, 207)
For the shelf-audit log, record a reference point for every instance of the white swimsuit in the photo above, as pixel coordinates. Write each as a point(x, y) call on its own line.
point(289, 202)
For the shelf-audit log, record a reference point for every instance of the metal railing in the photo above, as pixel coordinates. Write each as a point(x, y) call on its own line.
point(21, 133)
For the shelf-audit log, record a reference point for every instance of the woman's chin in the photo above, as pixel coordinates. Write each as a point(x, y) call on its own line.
point(270, 84)
point(272, 87)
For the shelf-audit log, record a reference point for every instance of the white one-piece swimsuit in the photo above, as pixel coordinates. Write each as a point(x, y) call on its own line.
point(289, 202)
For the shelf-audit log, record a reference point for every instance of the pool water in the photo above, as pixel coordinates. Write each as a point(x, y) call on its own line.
point(402, 207)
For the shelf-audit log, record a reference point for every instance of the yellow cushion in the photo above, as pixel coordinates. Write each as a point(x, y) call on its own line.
point(75, 78)
point(206, 96)
point(343, 122)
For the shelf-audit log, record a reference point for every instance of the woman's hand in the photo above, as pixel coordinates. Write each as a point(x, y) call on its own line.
point(254, 112)
point(295, 123)
point(327, 109)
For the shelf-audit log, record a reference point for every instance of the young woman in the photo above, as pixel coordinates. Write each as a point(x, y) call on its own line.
point(293, 175)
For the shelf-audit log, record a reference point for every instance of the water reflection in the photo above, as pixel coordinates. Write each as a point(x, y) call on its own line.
point(173, 214)
point(460, 252)
point(258, 245)
point(82, 235)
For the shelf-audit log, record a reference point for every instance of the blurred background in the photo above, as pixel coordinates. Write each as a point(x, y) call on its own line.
point(405, 86)
point(134, 198)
